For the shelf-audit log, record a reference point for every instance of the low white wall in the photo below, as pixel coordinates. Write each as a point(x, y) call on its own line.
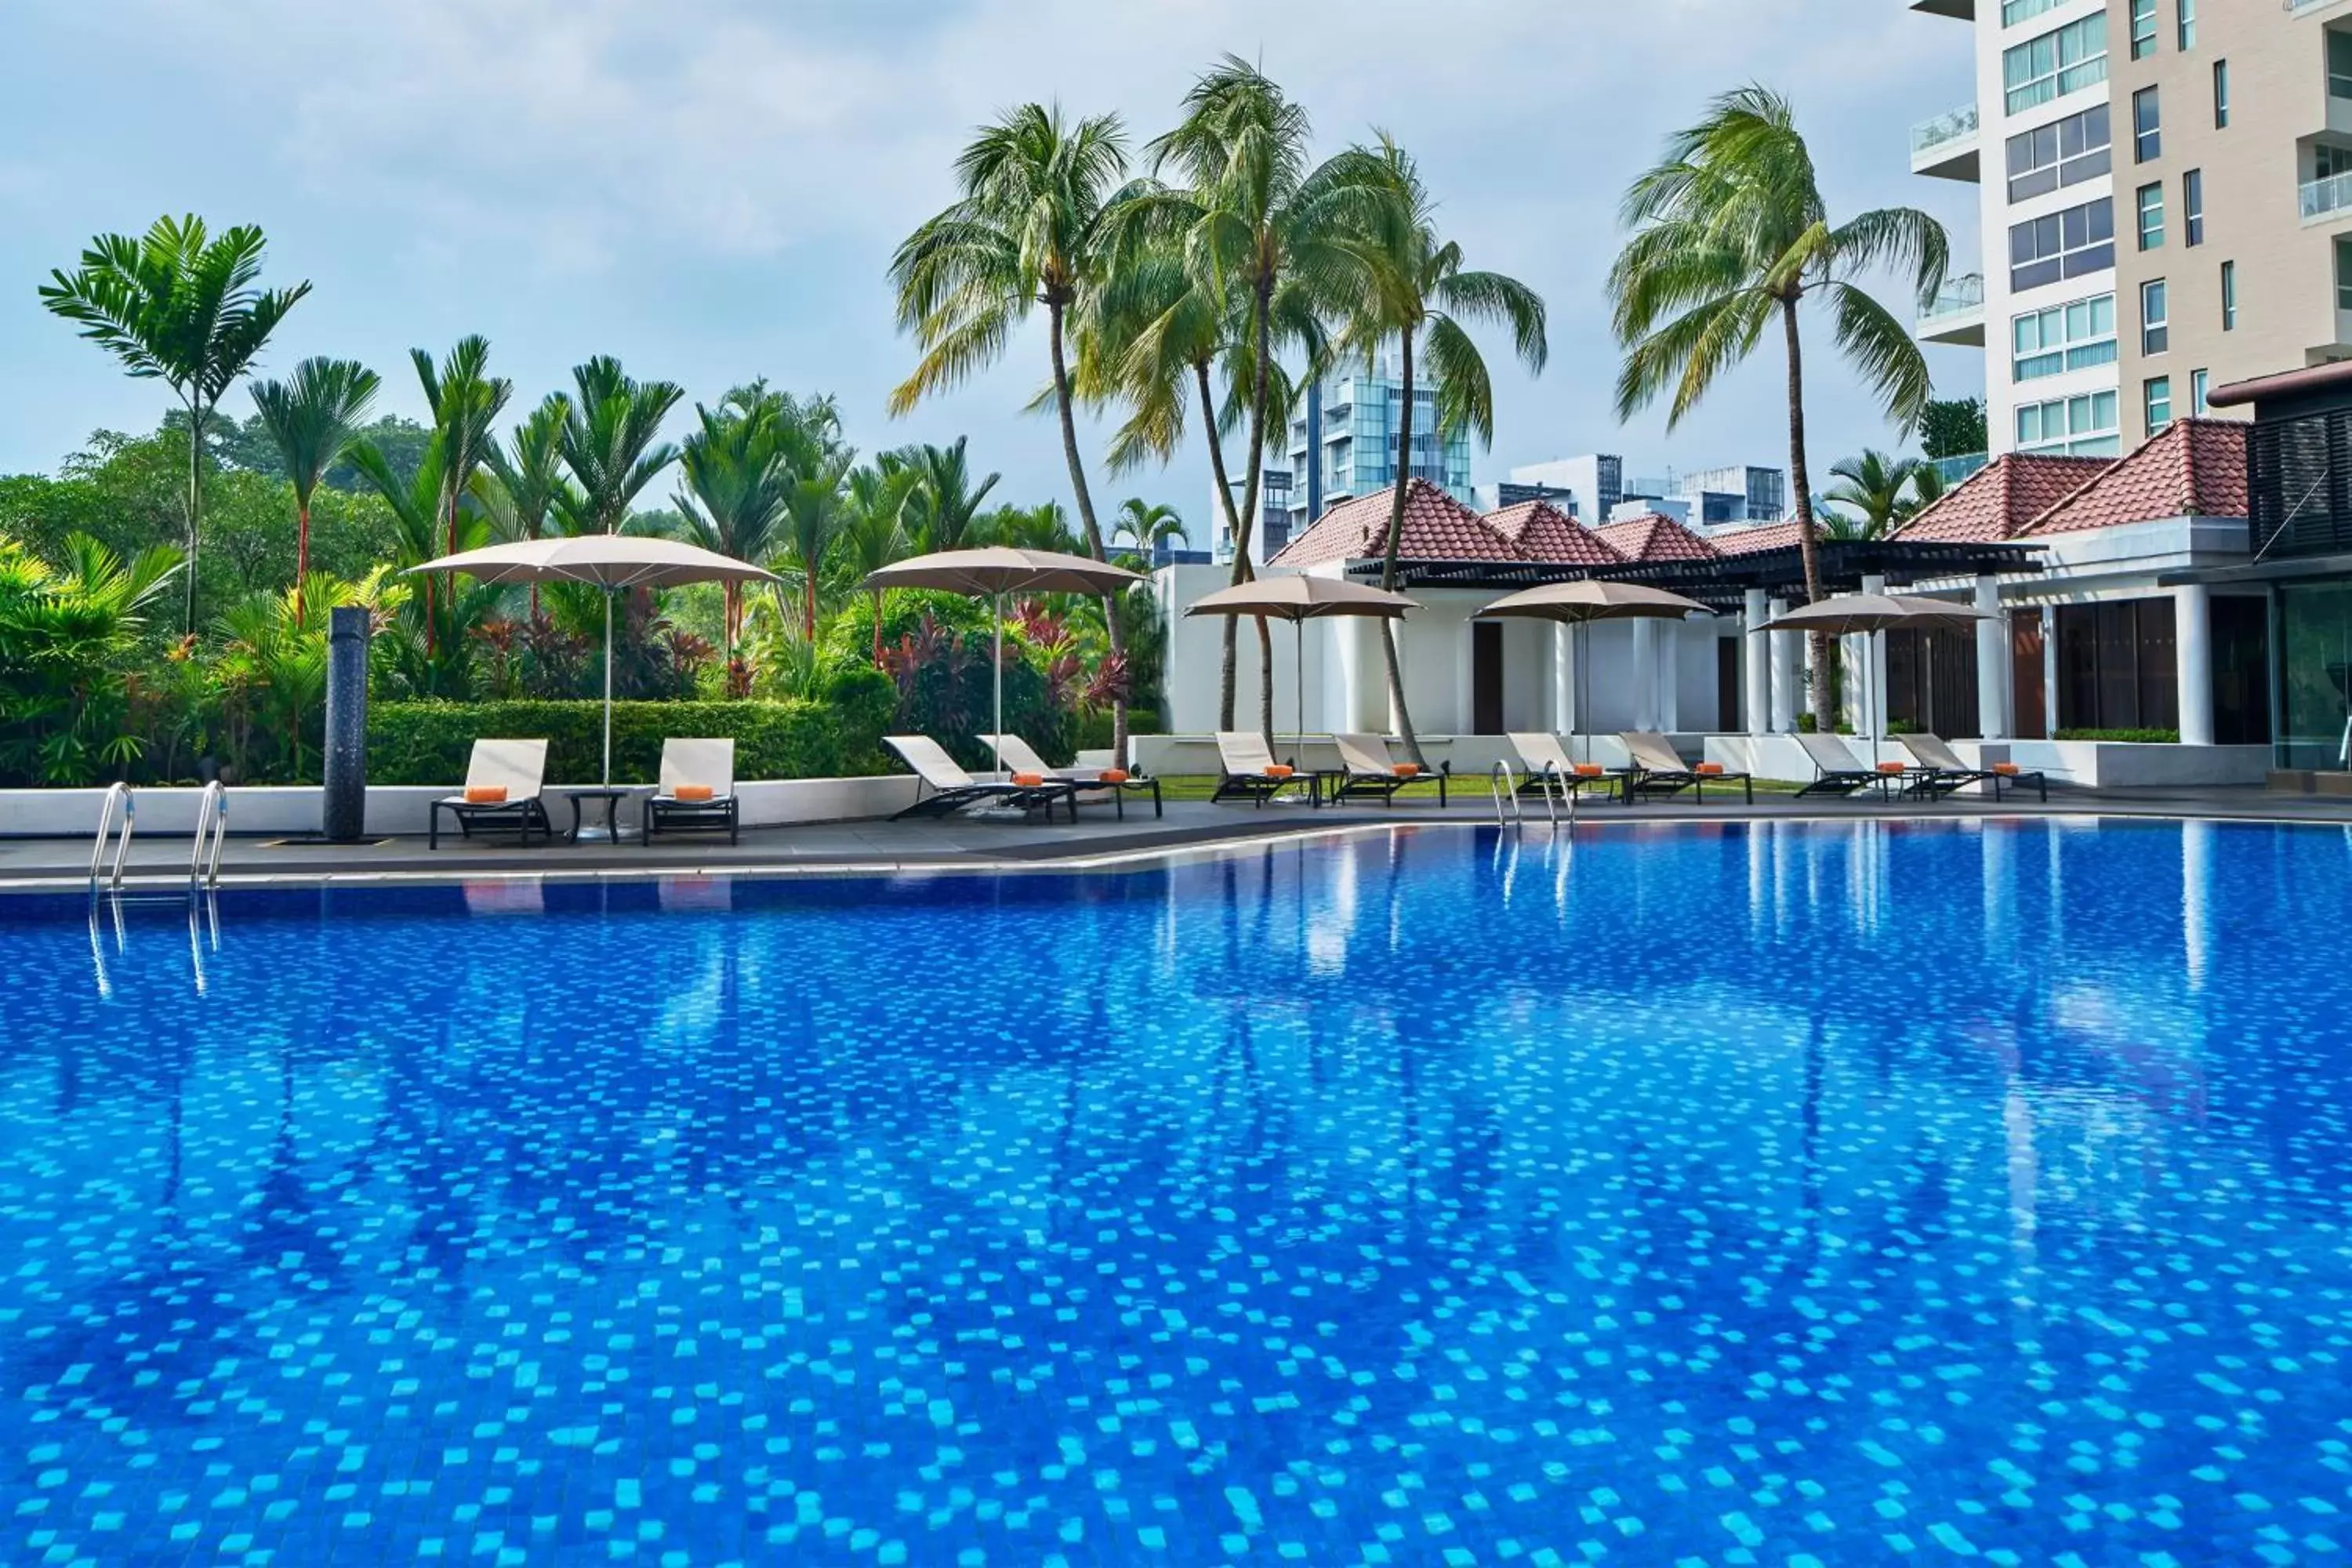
point(2118, 764)
point(403, 808)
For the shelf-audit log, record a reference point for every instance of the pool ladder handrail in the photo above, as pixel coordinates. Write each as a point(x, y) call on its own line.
point(117, 794)
point(212, 837)
point(1503, 785)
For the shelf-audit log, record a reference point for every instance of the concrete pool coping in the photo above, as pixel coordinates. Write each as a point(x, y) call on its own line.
point(160, 863)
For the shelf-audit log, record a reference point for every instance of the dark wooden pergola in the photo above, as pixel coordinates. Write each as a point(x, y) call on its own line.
point(1723, 581)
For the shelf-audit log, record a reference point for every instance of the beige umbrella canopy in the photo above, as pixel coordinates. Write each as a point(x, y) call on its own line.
point(612, 562)
point(1581, 602)
point(1298, 600)
point(998, 570)
point(1872, 615)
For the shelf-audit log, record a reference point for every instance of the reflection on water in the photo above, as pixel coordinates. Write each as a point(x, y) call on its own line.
point(1664, 1191)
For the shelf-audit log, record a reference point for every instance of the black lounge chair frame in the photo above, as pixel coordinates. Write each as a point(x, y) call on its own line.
point(1383, 787)
point(715, 816)
point(1028, 797)
point(522, 814)
point(1256, 788)
point(1637, 782)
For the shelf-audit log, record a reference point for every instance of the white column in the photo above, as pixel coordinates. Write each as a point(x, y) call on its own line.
point(1364, 670)
point(1670, 655)
point(1644, 674)
point(1462, 705)
point(1788, 651)
point(2192, 632)
point(1564, 716)
point(2050, 715)
point(1992, 661)
point(1755, 662)
point(1873, 650)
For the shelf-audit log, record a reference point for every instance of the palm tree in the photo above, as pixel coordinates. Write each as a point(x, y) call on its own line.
point(610, 443)
point(873, 530)
point(1146, 525)
point(465, 402)
point(1027, 231)
point(178, 307)
point(529, 473)
point(312, 417)
point(1730, 232)
point(1419, 296)
point(1883, 493)
point(63, 630)
point(813, 517)
point(940, 512)
point(738, 469)
point(435, 648)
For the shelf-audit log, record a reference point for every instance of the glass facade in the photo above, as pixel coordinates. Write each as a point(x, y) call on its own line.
point(2085, 425)
point(1354, 442)
point(2061, 244)
point(2339, 64)
point(2075, 336)
point(2064, 153)
point(2316, 674)
point(2059, 62)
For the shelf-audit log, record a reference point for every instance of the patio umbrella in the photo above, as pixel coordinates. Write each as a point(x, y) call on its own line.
point(998, 570)
point(1580, 603)
point(612, 562)
point(1299, 600)
point(1872, 616)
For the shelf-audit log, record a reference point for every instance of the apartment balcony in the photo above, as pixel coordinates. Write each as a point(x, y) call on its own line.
point(2325, 201)
point(1961, 10)
point(1945, 148)
point(1957, 316)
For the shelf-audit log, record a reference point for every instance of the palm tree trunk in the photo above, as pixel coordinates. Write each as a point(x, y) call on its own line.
point(195, 500)
point(808, 605)
point(301, 552)
point(1261, 330)
point(877, 631)
point(1808, 543)
point(1389, 561)
point(1054, 309)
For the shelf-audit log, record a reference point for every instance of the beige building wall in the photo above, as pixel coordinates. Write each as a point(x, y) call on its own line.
point(2254, 170)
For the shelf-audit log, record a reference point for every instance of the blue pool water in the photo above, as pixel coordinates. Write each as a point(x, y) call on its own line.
point(1788, 1195)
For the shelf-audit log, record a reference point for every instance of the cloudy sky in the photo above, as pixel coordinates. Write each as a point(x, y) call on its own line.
point(710, 189)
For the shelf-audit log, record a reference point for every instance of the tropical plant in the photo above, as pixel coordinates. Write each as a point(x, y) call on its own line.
point(1952, 427)
point(312, 417)
point(738, 467)
point(1881, 494)
point(1729, 233)
point(813, 518)
point(272, 675)
point(178, 306)
point(530, 487)
point(1419, 295)
point(1144, 526)
point(940, 512)
point(1027, 230)
point(611, 443)
point(65, 633)
point(432, 638)
point(874, 531)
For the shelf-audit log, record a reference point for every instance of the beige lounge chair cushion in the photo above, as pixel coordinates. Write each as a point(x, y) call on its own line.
point(709, 764)
point(1243, 754)
point(519, 767)
point(1652, 753)
point(930, 760)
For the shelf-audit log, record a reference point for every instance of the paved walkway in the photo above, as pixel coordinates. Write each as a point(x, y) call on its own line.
point(962, 844)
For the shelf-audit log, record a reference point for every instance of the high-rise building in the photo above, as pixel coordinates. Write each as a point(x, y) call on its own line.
point(1343, 444)
point(1593, 489)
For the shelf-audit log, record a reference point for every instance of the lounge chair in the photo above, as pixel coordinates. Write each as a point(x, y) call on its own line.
point(1659, 769)
point(1250, 771)
point(503, 779)
point(1942, 771)
point(697, 793)
point(1374, 773)
point(1837, 771)
point(1094, 784)
point(1545, 759)
point(952, 789)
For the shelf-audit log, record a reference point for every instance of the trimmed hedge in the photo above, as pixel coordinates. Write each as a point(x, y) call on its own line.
point(428, 742)
point(2132, 737)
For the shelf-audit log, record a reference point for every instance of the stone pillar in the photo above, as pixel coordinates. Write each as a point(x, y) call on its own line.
point(1787, 656)
point(1669, 669)
point(343, 811)
point(1643, 676)
point(1564, 673)
point(1756, 664)
point(1871, 721)
point(2192, 632)
point(1992, 661)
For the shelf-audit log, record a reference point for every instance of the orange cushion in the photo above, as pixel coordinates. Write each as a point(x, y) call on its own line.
point(486, 794)
point(1589, 770)
point(1028, 781)
point(1405, 769)
point(1280, 771)
point(1710, 769)
point(1114, 776)
point(1891, 767)
point(691, 792)
point(2006, 770)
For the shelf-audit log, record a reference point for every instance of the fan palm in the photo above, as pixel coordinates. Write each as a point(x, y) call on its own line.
point(312, 417)
point(1419, 295)
point(1027, 230)
point(874, 531)
point(940, 512)
point(1730, 234)
point(178, 306)
point(611, 443)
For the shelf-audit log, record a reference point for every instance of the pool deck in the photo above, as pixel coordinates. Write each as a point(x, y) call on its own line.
point(1098, 840)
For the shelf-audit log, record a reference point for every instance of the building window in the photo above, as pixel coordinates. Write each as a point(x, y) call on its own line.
point(2081, 426)
point(2188, 26)
point(2221, 95)
point(2061, 244)
point(2339, 64)
point(2156, 402)
point(2192, 207)
point(2066, 152)
point(2117, 666)
point(2151, 218)
point(2072, 58)
point(2073, 336)
point(2229, 296)
point(2143, 28)
point(2197, 382)
point(2155, 318)
point(2343, 273)
point(2012, 12)
point(2148, 126)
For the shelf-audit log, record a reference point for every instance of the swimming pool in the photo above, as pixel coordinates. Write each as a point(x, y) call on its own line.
point(1771, 1195)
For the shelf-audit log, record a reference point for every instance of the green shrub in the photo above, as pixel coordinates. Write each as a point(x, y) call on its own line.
point(428, 742)
point(2137, 736)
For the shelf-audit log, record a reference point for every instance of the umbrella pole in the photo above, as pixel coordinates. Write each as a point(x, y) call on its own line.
point(1298, 674)
point(996, 742)
point(608, 688)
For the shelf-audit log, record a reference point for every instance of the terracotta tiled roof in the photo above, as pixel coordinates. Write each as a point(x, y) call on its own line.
point(1541, 531)
point(1750, 541)
point(1439, 528)
point(2001, 498)
point(1655, 537)
point(2193, 467)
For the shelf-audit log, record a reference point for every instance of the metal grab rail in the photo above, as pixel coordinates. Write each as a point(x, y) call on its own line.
point(116, 795)
point(212, 837)
point(1502, 784)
